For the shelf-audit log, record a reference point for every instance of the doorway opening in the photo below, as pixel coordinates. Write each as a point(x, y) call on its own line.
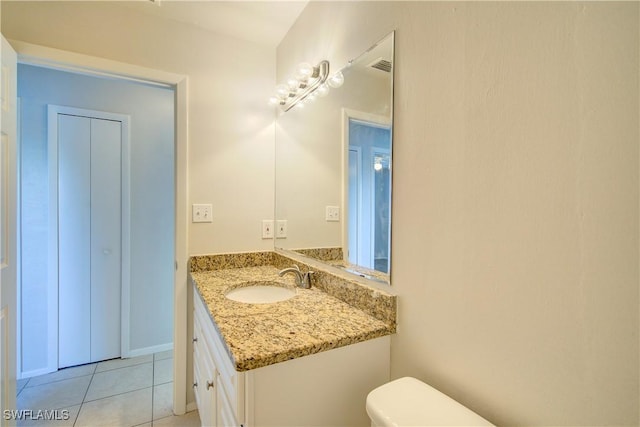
point(30, 54)
point(369, 193)
point(146, 216)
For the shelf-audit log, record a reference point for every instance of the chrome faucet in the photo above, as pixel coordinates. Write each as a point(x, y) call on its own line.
point(302, 279)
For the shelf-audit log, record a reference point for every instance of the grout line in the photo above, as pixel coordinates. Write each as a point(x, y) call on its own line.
point(117, 394)
point(122, 367)
point(56, 381)
point(84, 397)
point(92, 375)
point(77, 415)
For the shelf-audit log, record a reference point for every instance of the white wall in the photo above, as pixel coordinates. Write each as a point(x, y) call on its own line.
point(230, 161)
point(515, 202)
point(151, 110)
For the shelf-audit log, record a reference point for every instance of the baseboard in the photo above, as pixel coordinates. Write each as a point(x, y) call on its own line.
point(191, 406)
point(149, 350)
point(35, 373)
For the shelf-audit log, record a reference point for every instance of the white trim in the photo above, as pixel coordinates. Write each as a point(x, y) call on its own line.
point(192, 406)
point(347, 209)
point(150, 350)
point(34, 373)
point(125, 176)
point(91, 65)
point(125, 264)
point(52, 242)
point(4, 363)
point(18, 243)
point(57, 59)
point(181, 250)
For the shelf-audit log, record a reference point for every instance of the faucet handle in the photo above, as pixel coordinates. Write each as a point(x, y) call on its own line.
point(306, 279)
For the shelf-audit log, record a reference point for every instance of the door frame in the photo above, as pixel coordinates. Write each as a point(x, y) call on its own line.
point(53, 248)
point(348, 255)
point(57, 59)
point(373, 119)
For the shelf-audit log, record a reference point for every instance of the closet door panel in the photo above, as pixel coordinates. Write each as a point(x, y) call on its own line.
point(74, 240)
point(106, 146)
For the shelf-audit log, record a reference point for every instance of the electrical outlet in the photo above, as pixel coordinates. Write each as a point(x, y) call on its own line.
point(267, 229)
point(332, 213)
point(201, 213)
point(281, 229)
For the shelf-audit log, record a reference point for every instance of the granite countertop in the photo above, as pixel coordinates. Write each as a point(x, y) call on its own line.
point(258, 335)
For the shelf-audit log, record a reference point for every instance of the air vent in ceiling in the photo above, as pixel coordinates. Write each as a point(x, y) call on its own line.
point(381, 64)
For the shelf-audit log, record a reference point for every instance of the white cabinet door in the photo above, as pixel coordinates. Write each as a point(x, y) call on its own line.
point(89, 239)
point(224, 415)
point(204, 375)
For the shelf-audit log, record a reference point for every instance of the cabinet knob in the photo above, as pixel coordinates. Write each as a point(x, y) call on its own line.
point(209, 384)
point(195, 385)
point(195, 339)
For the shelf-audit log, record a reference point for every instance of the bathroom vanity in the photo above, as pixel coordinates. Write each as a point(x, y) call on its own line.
point(308, 360)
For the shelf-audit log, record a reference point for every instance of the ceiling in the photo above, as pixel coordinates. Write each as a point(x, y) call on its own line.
point(264, 22)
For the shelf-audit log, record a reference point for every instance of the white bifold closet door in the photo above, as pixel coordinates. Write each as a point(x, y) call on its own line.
point(89, 239)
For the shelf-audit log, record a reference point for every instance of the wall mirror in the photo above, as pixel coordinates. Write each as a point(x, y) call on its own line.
point(333, 169)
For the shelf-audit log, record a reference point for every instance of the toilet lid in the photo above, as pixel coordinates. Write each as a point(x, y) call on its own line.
point(410, 402)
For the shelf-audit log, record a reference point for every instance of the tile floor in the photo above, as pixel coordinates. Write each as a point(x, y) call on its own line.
point(119, 392)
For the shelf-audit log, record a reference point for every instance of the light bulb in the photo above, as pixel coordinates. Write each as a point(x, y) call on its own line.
point(300, 105)
point(282, 91)
point(311, 97)
point(304, 71)
point(336, 80)
point(293, 84)
point(323, 90)
point(274, 100)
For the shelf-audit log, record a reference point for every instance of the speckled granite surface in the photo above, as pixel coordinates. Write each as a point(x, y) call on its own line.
point(258, 335)
point(323, 254)
point(234, 260)
point(372, 301)
point(377, 303)
point(334, 257)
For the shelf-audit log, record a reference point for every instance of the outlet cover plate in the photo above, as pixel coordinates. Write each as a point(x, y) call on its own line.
point(281, 229)
point(332, 213)
point(267, 229)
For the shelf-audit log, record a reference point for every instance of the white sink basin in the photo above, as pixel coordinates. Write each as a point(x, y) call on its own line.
point(261, 293)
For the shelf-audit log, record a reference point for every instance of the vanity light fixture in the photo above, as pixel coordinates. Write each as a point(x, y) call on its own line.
point(307, 83)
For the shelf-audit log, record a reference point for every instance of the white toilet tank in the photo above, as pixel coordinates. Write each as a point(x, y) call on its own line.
point(410, 402)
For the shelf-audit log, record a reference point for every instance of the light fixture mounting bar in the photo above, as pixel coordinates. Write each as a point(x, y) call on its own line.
point(320, 75)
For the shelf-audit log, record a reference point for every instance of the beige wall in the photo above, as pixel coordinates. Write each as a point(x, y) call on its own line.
point(309, 156)
point(515, 204)
point(230, 126)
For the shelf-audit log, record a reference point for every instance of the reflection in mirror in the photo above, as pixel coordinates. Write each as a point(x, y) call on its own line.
point(333, 169)
point(369, 195)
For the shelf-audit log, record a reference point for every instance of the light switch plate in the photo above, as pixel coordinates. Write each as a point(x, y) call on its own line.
point(202, 213)
point(267, 229)
point(281, 229)
point(332, 213)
